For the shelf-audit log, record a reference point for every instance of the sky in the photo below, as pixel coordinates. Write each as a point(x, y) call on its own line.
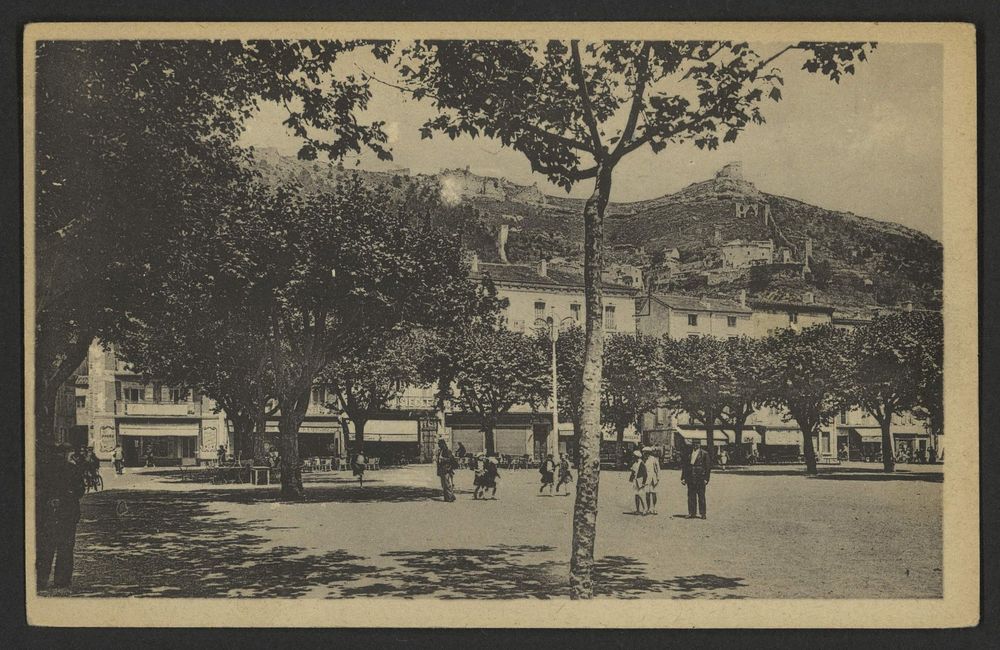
point(871, 145)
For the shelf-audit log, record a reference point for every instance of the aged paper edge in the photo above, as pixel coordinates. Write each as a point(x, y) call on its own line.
point(961, 584)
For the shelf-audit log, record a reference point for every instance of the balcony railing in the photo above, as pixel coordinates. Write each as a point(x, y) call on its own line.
point(150, 408)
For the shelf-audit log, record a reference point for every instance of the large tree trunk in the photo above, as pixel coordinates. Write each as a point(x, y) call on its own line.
point(490, 440)
point(359, 435)
point(807, 449)
point(292, 414)
point(242, 435)
point(257, 436)
point(710, 439)
point(888, 457)
point(52, 370)
point(581, 566)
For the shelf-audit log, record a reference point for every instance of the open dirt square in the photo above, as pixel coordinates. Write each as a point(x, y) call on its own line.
point(771, 532)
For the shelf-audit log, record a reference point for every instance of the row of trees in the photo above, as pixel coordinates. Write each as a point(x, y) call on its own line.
point(889, 366)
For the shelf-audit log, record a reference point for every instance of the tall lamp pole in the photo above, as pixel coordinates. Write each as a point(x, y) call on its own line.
point(553, 329)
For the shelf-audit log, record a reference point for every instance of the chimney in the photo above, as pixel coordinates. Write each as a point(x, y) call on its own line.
point(809, 298)
point(474, 263)
point(502, 242)
point(743, 297)
point(543, 268)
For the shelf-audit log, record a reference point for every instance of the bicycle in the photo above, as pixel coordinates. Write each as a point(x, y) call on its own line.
point(93, 482)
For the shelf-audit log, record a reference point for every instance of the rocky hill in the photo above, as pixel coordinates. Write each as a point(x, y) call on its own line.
point(854, 261)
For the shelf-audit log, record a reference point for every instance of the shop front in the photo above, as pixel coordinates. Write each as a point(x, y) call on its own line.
point(518, 434)
point(389, 440)
point(159, 443)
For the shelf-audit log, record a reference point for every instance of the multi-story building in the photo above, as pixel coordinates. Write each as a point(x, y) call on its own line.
point(167, 424)
point(770, 316)
point(677, 316)
point(742, 254)
point(534, 293)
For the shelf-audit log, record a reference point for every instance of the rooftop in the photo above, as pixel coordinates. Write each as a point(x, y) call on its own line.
point(529, 274)
point(693, 303)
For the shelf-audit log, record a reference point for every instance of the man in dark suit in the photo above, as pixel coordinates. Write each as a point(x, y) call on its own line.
point(695, 472)
point(59, 486)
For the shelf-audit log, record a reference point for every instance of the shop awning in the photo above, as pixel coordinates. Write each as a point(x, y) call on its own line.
point(155, 429)
point(389, 430)
point(867, 435)
point(702, 435)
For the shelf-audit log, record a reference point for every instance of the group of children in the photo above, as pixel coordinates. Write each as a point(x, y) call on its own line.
point(548, 472)
point(487, 472)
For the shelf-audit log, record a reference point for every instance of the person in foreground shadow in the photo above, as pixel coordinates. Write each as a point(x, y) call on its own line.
point(59, 486)
point(695, 473)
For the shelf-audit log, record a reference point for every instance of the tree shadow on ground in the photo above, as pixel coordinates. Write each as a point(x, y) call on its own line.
point(174, 544)
point(499, 572)
point(168, 543)
point(842, 473)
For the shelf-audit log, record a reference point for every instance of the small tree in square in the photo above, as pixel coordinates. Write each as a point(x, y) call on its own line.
point(810, 377)
point(890, 356)
point(365, 382)
point(748, 366)
point(698, 372)
point(495, 370)
point(632, 382)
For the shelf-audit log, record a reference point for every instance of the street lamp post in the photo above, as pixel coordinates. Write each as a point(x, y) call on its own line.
point(553, 330)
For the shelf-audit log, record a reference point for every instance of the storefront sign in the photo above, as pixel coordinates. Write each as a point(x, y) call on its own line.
point(108, 438)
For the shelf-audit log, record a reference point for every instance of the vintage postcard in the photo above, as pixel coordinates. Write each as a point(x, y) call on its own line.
point(501, 324)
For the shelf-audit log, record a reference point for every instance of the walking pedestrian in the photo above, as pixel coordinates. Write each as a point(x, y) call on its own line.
point(652, 465)
point(444, 461)
point(565, 477)
point(723, 458)
point(637, 478)
point(548, 471)
point(477, 464)
point(59, 486)
point(695, 473)
point(221, 455)
point(491, 476)
point(358, 467)
point(149, 457)
point(118, 456)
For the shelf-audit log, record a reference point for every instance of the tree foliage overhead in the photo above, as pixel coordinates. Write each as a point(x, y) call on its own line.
point(130, 134)
point(638, 93)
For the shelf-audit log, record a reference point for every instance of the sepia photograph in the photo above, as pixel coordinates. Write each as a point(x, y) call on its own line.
point(501, 324)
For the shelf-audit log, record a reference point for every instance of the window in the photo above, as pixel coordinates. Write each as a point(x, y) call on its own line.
point(793, 317)
point(539, 310)
point(692, 319)
point(609, 317)
point(731, 321)
point(318, 395)
point(843, 416)
point(178, 395)
point(81, 401)
point(575, 310)
point(135, 394)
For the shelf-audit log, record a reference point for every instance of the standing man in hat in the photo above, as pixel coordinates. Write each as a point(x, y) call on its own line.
point(695, 473)
point(652, 464)
point(637, 478)
point(58, 488)
point(444, 460)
